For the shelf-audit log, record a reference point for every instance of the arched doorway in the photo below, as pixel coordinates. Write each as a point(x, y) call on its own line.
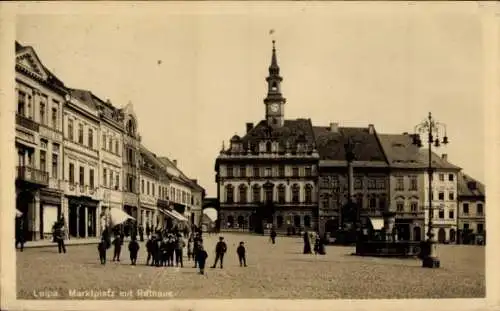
point(417, 234)
point(453, 235)
point(441, 235)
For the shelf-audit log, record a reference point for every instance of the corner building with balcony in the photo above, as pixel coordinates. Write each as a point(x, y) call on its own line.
point(38, 145)
point(268, 177)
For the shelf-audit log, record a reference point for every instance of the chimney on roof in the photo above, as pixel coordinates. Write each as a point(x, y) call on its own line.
point(405, 133)
point(444, 156)
point(371, 129)
point(195, 181)
point(334, 127)
point(108, 101)
point(175, 162)
point(249, 126)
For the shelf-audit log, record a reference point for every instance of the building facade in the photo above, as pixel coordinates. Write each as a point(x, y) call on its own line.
point(370, 172)
point(110, 137)
point(83, 193)
point(471, 210)
point(268, 177)
point(131, 162)
point(38, 145)
point(407, 185)
point(444, 197)
point(78, 156)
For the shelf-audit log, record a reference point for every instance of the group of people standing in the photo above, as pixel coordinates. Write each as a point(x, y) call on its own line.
point(167, 250)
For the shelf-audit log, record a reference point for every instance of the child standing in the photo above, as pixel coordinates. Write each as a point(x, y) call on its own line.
point(133, 248)
point(201, 258)
point(102, 247)
point(242, 254)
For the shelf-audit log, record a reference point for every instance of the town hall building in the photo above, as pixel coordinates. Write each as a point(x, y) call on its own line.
point(267, 177)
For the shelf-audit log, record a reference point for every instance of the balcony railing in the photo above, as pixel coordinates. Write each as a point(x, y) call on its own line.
point(33, 175)
point(27, 123)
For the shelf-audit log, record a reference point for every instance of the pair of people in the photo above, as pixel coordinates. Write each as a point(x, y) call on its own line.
point(221, 249)
point(133, 248)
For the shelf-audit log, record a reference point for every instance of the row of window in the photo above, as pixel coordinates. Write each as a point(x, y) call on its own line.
point(279, 171)
point(373, 202)
point(441, 196)
point(333, 182)
point(25, 158)
point(113, 180)
point(109, 144)
point(81, 175)
point(479, 209)
point(400, 183)
point(243, 222)
point(25, 104)
point(176, 195)
point(268, 194)
point(479, 227)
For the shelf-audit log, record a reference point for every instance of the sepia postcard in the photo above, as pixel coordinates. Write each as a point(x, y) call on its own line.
point(249, 155)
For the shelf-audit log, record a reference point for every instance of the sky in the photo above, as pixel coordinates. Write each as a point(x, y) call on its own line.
point(195, 73)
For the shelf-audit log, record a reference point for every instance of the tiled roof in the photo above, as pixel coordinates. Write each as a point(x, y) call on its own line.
point(330, 145)
point(182, 177)
point(152, 159)
point(464, 181)
point(437, 161)
point(291, 133)
point(400, 151)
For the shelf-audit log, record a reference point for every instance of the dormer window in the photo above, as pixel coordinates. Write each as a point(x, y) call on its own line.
point(471, 185)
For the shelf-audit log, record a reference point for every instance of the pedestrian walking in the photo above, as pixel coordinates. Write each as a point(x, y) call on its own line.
point(201, 258)
point(273, 236)
point(307, 243)
point(164, 255)
point(179, 246)
point(133, 248)
point(117, 243)
point(157, 251)
point(148, 230)
point(59, 237)
point(220, 250)
point(150, 245)
point(196, 246)
point(241, 251)
point(141, 233)
point(20, 233)
point(170, 250)
point(102, 247)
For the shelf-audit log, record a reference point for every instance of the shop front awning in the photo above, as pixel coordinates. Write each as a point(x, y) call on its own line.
point(377, 223)
point(173, 214)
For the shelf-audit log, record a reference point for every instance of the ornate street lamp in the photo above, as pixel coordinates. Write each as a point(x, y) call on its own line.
point(432, 128)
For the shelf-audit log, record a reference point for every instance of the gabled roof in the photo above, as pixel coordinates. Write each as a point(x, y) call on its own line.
point(291, 133)
point(400, 151)
point(152, 159)
point(464, 189)
point(85, 97)
point(51, 78)
point(330, 145)
point(166, 162)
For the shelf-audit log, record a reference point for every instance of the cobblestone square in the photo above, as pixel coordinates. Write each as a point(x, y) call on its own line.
point(274, 271)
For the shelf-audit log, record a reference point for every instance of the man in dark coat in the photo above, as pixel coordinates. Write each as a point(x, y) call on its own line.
point(150, 248)
point(59, 237)
point(273, 236)
point(307, 243)
point(101, 248)
point(133, 248)
point(241, 251)
point(201, 258)
point(220, 250)
point(20, 233)
point(141, 233)
point(179, 246)
point(117, 242)
point(148, 230)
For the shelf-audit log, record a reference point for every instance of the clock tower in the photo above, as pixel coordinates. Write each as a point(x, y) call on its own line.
point(274, 101)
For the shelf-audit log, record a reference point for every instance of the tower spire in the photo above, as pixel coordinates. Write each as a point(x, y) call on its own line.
point(274, 101)
point(274, 69)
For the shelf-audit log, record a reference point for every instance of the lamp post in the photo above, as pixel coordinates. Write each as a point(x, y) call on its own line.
point(432, 128)
point(350, 157)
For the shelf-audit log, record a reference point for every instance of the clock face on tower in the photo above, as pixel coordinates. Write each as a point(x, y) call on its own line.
point(275, 107)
